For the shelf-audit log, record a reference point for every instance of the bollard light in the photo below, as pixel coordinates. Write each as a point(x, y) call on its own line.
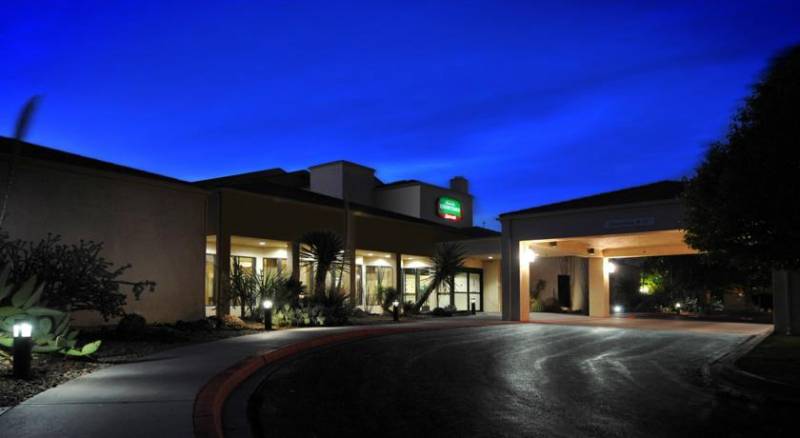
point(678, 308)
point(472, 303)
point(267, 314)
point(396, 310)
point(618, 309)
point(23, 346)
point(22, 329)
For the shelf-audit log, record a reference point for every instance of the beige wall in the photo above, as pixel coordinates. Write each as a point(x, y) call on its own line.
point(491, 286)
point(158, 227)
point(549, 268)
point(249, 214)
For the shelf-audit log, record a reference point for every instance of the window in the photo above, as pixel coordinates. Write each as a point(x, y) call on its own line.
point(275, 265)
point(415, 281)
point(378, 277)
point(211, 260)
point(246, 264)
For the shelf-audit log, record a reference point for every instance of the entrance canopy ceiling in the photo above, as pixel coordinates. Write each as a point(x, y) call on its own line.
point(642, 244)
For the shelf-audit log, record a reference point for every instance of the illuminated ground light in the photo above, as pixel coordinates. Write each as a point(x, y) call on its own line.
point(618, 309)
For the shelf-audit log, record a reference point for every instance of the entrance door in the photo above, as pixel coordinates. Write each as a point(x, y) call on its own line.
point(564, 292)
point(468, 287)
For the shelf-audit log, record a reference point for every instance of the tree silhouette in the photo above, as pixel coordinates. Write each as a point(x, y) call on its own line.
point(743, 203)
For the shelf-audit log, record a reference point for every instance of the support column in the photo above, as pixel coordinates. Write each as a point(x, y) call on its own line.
point(398, 272)
point(786, 302)
point(351, 257)
point(599, 293)
point(222, 272)
point(294, 260)
point(515, 304)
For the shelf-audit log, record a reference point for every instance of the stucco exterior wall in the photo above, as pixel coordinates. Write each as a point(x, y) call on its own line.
point(157, 227)
point(403, 200)
point(549, 268)
point(491, 286)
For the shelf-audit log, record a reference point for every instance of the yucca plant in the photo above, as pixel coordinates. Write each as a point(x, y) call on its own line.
point(324, 252)
point(51, 327)
point(447, 259)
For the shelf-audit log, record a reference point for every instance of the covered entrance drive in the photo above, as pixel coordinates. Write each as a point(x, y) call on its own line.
point(566, 249)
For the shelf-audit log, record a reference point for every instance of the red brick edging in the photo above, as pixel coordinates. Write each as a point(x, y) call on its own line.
point(208, 404)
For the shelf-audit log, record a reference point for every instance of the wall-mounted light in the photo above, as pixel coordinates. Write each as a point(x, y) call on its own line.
point(529, 256)
point(610, 267)
point(262, 243)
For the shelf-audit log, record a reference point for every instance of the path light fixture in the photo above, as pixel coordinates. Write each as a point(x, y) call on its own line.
point(678, 308)
point(396, 310)
point(618, 309)
point(267, 314)
point(472, 304)
point(23, 346)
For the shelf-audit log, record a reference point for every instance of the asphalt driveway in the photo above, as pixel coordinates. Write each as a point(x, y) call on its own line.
point(511, 380)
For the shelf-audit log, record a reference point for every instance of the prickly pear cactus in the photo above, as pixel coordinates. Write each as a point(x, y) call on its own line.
point(51, 330)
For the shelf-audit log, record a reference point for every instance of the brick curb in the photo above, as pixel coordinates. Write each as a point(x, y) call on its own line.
point(208, 404)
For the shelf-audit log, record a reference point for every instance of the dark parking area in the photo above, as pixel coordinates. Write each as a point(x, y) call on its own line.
point(519, 380)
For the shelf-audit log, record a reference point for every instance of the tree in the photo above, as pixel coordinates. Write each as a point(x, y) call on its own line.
point(447, 259)
point(743, 203)
point(696, 279)
point(322, 251)
point(75, 277)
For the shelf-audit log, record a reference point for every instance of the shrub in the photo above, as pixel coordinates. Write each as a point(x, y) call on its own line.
point(75, 277)
point(132, 325)
point(388, 295)
point(214, 322)
point(202, 324)
point(331, 309)
point(231, 322)
point(441, 312)
point(552, 305)
point(51, 327)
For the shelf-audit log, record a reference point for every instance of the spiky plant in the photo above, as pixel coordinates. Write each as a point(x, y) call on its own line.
point(324, 252)
point(447, 259)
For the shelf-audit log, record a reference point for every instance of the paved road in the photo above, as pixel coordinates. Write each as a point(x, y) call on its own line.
point(517, 380)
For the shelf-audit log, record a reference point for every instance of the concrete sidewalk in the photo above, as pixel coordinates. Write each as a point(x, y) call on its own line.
point(155, 396)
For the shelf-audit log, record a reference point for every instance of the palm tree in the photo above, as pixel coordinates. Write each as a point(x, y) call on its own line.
point(324, 252)
point(20, 131)
point(447, 260)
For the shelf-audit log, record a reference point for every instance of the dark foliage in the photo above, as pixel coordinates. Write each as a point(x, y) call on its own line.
point(332, 308)
point(131, 325)
point(742, 203)
point(76, 276)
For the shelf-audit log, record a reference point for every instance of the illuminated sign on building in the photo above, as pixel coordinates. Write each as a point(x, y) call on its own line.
point(449, 208)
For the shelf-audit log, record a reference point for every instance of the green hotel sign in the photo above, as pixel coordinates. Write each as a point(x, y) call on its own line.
point(448, 208)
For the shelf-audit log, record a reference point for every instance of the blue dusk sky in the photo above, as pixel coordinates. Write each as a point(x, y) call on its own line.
point(532, 101)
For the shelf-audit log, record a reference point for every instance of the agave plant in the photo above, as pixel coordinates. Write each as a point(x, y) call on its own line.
point(51, 327)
